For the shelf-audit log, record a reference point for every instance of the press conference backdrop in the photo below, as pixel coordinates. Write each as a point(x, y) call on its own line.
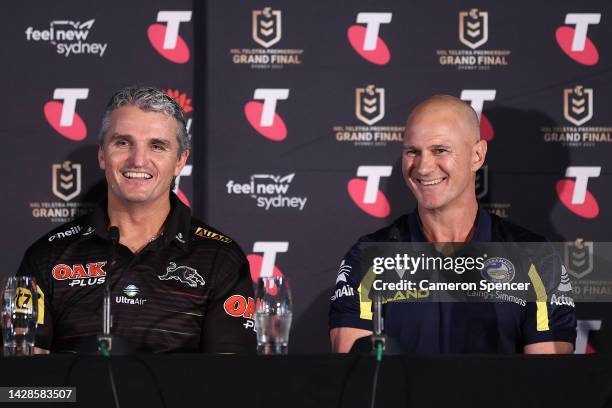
point(296, 111)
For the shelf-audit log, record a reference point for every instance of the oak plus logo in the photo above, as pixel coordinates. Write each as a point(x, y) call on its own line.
point(574, 41)
point(264, 265)
point(477, 98)
point(263, 117)
point(164, 36)
point(66, 184)
point(365, 193)
point(473, 33)
point(365, 39)
point(89, 274)
point(578, 110)
point(69, 37)
point(266, 31)
point(574, 193)
point(185, 102)
point(66, 180)
point(62, 115)
point(369, 110)
point(269, 191)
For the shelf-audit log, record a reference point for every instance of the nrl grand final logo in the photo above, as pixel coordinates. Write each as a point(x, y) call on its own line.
point(266, 27)
point(370, 104)
point(473, 28)
point(579, 258)
point(66, 180)
point(578, 104)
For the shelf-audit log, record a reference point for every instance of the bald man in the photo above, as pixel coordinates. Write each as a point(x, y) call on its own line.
point(442, 152)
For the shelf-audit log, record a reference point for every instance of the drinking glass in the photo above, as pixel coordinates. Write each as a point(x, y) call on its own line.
point(19, 315)
point(272, 315)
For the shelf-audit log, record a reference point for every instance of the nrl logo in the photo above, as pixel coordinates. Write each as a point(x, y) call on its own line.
point(370, 104)
point(578, 104)
point(473, 28)
point(266, 27)
point(66, 180)
point(183, 274)
point(579, 258)
point(482, 182)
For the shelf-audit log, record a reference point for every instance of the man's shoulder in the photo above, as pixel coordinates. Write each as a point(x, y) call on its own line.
point(204, 234)
point(63, 235)
point(504, 230)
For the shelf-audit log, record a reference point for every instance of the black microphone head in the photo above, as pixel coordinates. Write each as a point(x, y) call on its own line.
point(113, 233)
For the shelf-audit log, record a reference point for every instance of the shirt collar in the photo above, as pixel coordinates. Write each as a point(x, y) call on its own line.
point(482, 233)
point(176, 229)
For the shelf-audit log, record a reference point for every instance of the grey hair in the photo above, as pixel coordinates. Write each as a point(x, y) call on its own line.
point(147, 99)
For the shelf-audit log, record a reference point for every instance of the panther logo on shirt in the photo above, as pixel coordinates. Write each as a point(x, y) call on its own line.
point(184, 274)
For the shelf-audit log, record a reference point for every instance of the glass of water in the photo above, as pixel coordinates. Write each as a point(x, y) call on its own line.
point(272, 315)
point(19, 315)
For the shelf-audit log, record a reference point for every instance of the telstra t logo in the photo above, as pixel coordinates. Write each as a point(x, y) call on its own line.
point(264, 266)
point(62, 116)
point(165, 38)
point(263, 116)
point(477, 98)
point(365, 193)
point(574, 194)
point(365, 40)
point(574, 41)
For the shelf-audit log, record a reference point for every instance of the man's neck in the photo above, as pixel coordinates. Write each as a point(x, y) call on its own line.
point(456, 224)
point(138, 223)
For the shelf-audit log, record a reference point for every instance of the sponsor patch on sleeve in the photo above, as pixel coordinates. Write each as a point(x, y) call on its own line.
point(204, 233)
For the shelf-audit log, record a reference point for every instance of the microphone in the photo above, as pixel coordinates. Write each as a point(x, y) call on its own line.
point(105, 343)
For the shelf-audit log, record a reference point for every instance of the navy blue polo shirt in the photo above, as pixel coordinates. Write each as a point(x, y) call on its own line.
point(437, 327)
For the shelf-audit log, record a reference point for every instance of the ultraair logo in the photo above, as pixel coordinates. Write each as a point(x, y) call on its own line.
point(477, 98)
point(473, 28)
point(66, 180)
point(185, 103)
point(578, 256)
point(574, 194)
point(269, 191)
point(69, 37)
point(130, 291)
point(370, 104)
point(265, 265)
point(574, 41)
point(365, 193)
point(62, 116)
point(578, 105)
point(263, 117)
point(266, 27)
point(165, 37)
point(365, 40)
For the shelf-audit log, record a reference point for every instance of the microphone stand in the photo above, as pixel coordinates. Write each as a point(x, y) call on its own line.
point(105, 340)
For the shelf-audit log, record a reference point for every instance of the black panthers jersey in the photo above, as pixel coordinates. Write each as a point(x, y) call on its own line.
point(188, 290)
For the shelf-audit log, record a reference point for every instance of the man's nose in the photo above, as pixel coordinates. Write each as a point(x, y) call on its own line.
point(138, 155)
point(425, 164)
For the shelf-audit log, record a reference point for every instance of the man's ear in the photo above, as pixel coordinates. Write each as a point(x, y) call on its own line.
point(479, 153)
point(101, 161)
point(182, 160)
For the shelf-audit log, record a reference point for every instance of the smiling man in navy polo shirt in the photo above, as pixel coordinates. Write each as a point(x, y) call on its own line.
point(442, 152)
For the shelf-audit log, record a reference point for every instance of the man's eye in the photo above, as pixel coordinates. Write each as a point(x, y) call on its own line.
point(411, 153)
point(440, 151)
point(159, 147)
point(121, 143)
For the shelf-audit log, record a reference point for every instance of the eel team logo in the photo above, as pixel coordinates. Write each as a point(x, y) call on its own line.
point(498, 270)
point(578, 256)
point(263, 117)
point(365, 193)
point(69, 37)
point(66, 180)
point(269, 191)
point(266, 27)
point(183, 274)
point(80, 275)
point(165, 38)
point(265, 265)
point(578, 105)
point(477, 98)
point(62, 116)
point(574, 41)
point(370, 104)
point(239, 306)
point(366, 41)
point(575, 195)
point(473, 28)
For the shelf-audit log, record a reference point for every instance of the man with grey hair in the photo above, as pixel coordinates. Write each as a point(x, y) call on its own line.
point(177, 283)
point(442, 152)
